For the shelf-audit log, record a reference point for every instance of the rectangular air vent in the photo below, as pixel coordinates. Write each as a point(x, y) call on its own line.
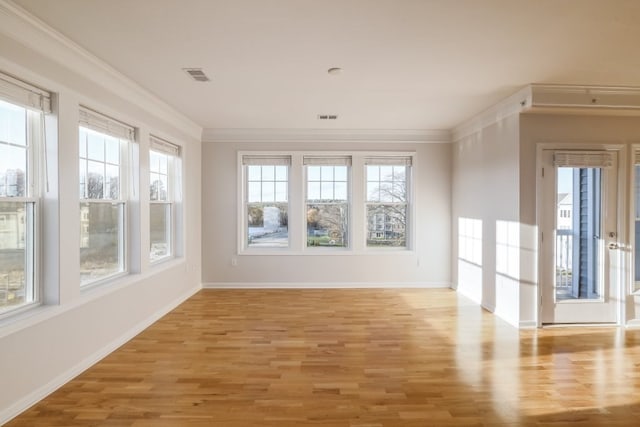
point(197, 74)
point(327, 116)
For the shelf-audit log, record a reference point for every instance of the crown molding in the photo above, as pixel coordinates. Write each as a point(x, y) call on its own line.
point(18, 24)
point(514, 104)
point(326, 135)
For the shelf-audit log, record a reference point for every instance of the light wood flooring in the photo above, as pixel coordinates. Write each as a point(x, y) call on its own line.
point(357, 358)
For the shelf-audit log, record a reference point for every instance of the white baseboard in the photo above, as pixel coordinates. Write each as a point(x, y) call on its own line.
point(37, 395)
point(633, 323)
point(325, 285)
point(528, 324)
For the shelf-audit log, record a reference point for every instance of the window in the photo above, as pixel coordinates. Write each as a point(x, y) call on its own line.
point(327, 208)
point(162, 176)
point(266, 201)
point(103, 148)
point(22, 107)
point(387, 203)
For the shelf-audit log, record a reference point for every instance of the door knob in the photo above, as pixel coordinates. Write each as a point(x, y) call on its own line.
point(613, 245)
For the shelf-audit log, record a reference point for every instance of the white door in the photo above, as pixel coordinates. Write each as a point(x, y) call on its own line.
point(579, 237)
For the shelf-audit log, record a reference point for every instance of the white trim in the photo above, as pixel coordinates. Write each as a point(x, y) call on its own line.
point(514, 104)
point(326, 135)
point(633, 323)
point(585, 97)
point(40, 393)
point(20, 25)
point(527, 324)
point(326, 285)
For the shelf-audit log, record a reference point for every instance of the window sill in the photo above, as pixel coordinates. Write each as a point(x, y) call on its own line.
point(328, 252)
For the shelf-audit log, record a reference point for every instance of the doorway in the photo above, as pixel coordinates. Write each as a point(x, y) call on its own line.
point(579, 237)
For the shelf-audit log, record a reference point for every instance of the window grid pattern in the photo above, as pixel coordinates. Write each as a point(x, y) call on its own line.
point(102, 205)
point(387, 205)
point(18, 206)
point(327, 206)
point(267, 206)
point(161, 205)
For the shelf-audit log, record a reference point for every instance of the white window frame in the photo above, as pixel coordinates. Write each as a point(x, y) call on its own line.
point(173, 153)
point(262, 159)
point(298, 201)
point(37, 103)
point(105, 125)
point(397, 161)
point(324, 160)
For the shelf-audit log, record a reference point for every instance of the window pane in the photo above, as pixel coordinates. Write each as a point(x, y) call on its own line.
point(83, 142)
point(164, 163)
point(281, 192)
point(386, 192)
point(13, 124)
point(255, 191)
point(101, 240)
point(281, 173)
point(268, 173)
point(268, 191)
point(83, 178)
point(95, 180)
point(253, 173)
point(386, 225)
point(340, 173)
point(113, 151)
point(326, 190)
point(95, 146)
point(267, 225)
point(313, 173)
point(373, 192)
point(160, 219)
point(399, 173)
point(326, 173)
point(386, 173)
point(327, 225)
point(16, 251)
point(313, 191)
point(340, 191)
point(13, 170)
point(112, 182)
point(373, 173)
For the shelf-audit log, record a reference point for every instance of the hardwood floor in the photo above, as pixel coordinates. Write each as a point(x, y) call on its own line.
point(358, 358)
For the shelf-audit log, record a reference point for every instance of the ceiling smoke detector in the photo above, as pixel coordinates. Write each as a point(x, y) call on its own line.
point(327, 116)
point(197, 74)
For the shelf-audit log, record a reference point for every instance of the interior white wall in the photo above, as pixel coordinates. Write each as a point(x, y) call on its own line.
point(574, 129)
point(485, 187)
point(427, 265)
point(45, 347)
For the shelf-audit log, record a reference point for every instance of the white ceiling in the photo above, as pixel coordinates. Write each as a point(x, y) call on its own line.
point(408, 64)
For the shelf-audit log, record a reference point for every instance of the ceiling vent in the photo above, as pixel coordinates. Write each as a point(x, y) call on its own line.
point(327, 116)
point(197, 74)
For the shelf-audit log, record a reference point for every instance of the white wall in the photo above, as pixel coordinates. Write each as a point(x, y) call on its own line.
point(46, 346)
point(485, 190)
point(428, 265)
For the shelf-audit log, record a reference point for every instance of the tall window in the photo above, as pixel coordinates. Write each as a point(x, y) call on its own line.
point(327, 201)
point(21, 128)
point(387, 201)
point(162, 181)
point(103, 154)
point(267, 201)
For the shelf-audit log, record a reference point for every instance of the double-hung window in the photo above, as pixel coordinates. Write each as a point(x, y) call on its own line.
point(387, 202)
point(104, 148)
point(22, 107)
point(162, 186)
point(327, 207)
point(266, 202)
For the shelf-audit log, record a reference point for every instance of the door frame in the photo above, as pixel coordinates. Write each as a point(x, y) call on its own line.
point(622, 219)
